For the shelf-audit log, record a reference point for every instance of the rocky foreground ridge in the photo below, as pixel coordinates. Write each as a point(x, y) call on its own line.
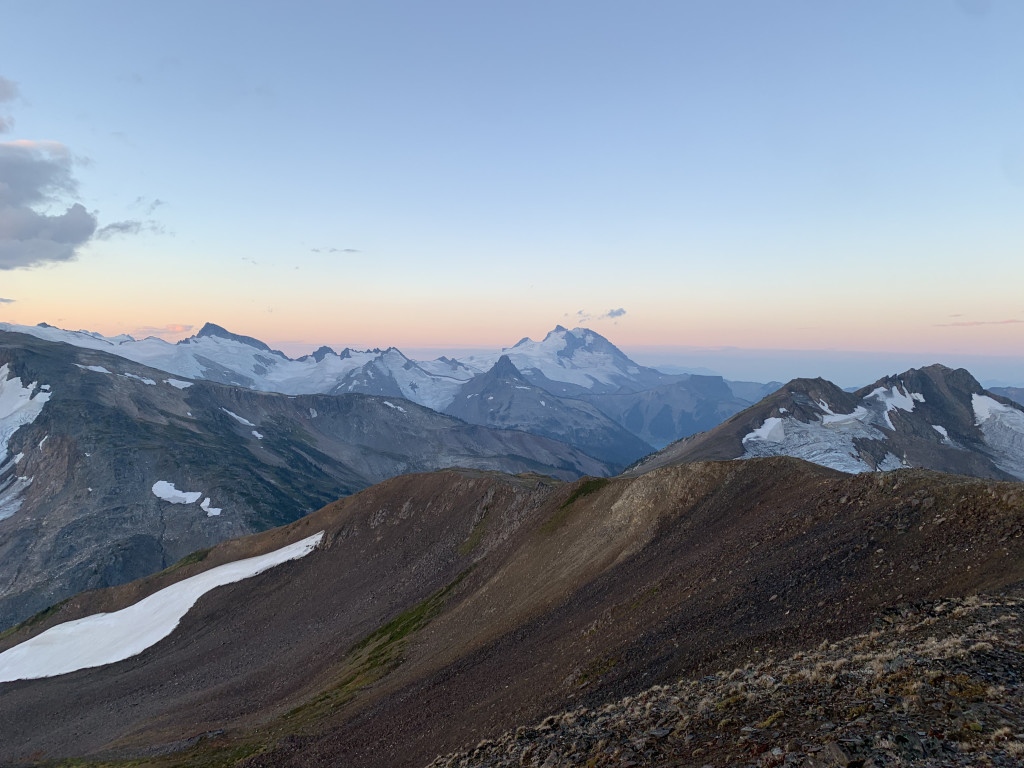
point(937, 684)
point(446, 608)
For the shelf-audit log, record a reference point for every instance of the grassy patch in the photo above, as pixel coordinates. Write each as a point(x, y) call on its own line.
point(596, 669)
point(35, 619)
point(586, 487)
point(195, 557)
point(475, 535)
point(205, 754)
point(374, 656)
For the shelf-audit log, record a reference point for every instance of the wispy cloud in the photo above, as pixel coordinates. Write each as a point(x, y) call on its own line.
point(335, 250)
point(6, 301)
point(36, 182)
point(128, 227)
point(36, 173)
point(972, 323)
point(583, 316)
point(148, 205)
point(8, 92)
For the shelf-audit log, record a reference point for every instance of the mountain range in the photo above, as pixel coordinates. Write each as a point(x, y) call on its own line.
point(655, 407)
point(111, 470)
point(424, 610)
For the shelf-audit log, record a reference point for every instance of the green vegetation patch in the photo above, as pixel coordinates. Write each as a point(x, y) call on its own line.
point(35, 619)
point(586, 487)
point(374, 656)
point(473, 540)
point(196, 557)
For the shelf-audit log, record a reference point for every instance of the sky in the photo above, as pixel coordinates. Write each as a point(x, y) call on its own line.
point(695, 180)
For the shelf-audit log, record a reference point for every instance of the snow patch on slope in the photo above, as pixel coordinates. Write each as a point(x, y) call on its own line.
point(18, 406)
point(893, 398)
point(105, 638)
point(166, 491)
point(1002, 427)
point(210, 511)
point(238, 418)
point(771, 431)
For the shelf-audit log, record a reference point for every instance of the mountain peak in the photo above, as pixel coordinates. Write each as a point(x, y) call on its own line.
point(320, 354)
point(216, 331)
point(505, 369)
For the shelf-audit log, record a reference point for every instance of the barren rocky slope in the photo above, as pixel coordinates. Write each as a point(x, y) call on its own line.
point(932, 684)
point(447, 608)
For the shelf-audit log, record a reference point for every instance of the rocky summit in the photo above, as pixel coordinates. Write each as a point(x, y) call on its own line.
point(935, 417)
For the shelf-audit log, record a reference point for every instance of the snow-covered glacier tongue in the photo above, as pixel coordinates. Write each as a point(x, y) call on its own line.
point(1003, 430)
point(19, 405)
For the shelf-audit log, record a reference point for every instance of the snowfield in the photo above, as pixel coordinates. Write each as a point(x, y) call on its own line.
point(166, 491)
point(105, 638)
point(1003, 428)
point(18, 406)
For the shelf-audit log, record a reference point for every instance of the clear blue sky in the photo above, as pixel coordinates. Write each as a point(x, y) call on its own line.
point(798, 175)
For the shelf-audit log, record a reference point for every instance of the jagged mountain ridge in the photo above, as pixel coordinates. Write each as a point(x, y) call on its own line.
point(447, 608)
point(935, 417)
point(85, 437)
point(566, 363)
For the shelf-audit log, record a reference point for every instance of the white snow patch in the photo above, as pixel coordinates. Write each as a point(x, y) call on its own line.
point(18, 407)
point(543, 403)
point(178, 383)
point(941, 430)
point(93, 368)
point(41, 442)
point(257, 435)
point(824, 406)
point(985, 408)
point(772, 430)
point(844, 418)
point(828, 443)
point(396, 407)
point(143, 379)
point(44, 387)
point(312, 413)
point(893, 398)
point(210, 511)
point(105, 638)
point(1003, 429)
point(783, 410)
point(238, 418)
point(166, 491)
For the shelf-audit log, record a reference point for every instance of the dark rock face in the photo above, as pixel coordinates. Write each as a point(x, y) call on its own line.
point(89, 518)
point(1013, 393)
point(670, 411)
point(504, 398)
